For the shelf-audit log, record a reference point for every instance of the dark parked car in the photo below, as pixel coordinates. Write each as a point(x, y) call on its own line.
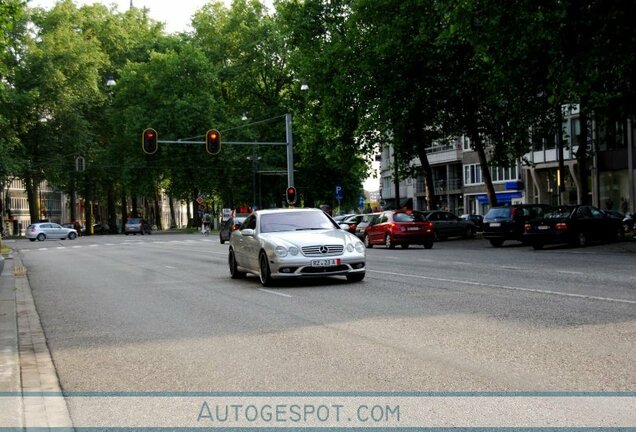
point(447, 225)
point(508, 222)
point(477, 220)
point(137, 225)
point(232, 224)
point(575, 225)
point(392, 227)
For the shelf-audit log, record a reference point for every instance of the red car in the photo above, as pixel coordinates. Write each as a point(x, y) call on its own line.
point(392, 227)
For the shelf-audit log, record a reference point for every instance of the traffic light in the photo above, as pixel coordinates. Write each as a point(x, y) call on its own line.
point(149, 141)
point(291, 195)
point(213, 142)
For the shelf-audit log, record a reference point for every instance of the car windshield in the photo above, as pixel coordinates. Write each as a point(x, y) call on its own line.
point(133, 221)
point(295, 221)
point(557, 212)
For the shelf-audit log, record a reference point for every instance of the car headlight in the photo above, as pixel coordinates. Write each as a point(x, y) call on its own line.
point(293, 250)
point(350, 247)
point(281, 251)
point(360, 247)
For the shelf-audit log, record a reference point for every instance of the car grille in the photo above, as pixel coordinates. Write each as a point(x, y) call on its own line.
point(323, 250)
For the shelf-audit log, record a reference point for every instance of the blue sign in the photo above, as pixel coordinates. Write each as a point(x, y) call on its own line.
point(339, 193)
point(361, 202)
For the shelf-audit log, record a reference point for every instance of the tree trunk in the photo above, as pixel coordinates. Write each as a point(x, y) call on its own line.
point(73, 201)
point(428, 176)
point(173, 219)
point(88, 208)
point(112, 209)
point(135, 206)
point(32, 198)
point(158, 212)
point(124, 208)
point(478, 145)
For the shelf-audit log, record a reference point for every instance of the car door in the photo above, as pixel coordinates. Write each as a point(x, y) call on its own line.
point(453, 225)
point(240, 244)
point(57, 231)
point(373, 229)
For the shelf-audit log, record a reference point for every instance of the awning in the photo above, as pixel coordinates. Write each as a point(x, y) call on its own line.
point(502, 198)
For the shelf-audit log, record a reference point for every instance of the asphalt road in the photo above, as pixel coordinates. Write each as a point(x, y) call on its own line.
point(160, 313)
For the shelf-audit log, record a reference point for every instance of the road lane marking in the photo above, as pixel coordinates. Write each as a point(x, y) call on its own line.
point(511, 268)
point(170, 267)
point(43, 249)
point(274, 292)
point(570, 272)
point(61, 247)
point(510, 288)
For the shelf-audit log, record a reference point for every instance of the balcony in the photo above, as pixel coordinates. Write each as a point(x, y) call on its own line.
point(445, 153)
point(441, 186)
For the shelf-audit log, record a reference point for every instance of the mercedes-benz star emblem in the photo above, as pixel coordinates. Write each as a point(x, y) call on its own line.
point(324, 249)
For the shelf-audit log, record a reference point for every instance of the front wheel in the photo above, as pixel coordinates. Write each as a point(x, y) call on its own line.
point(72, 236)
point(265, 273)
point(234, 272)
point(355, 277)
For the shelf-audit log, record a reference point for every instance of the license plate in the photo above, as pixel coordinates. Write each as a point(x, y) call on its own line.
point(412, 228)
point(325, 262)
point(543, 227)
point(495, 224)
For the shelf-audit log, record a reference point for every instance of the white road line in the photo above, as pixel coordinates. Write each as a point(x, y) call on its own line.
point(511, 288)
point(61, 247)
point(43, 249)
point(570, 272)
point(511, 268)
point(76, 247)
point(109, 244)
point(93, 245)
point(274, 292)
point(170, 267)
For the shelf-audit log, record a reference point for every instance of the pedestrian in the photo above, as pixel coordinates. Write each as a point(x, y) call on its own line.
point(206, 222)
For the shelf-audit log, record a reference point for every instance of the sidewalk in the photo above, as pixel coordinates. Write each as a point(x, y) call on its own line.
point(26, 368)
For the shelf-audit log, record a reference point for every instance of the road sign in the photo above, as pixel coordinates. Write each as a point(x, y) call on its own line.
point(200, 200)
point(361, 201)
point(339, 193)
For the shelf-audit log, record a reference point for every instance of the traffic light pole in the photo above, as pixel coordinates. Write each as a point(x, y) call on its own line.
point(289, 143)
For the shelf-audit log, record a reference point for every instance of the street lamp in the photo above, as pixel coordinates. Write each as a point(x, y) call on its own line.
point(244, 116)
point(304, 86)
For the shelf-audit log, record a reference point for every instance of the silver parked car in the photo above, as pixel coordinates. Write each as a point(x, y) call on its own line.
point(45, 230)
point(290, 243)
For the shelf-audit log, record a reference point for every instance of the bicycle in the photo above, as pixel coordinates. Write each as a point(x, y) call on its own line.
point(206, 230)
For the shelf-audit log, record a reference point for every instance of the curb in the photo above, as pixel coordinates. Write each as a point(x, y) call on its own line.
point(25, 357)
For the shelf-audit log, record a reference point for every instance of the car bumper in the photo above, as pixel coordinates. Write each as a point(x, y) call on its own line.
point(302, 266)
point(547, 238)
point(419, 238)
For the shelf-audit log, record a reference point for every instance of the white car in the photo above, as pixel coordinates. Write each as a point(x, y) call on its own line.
point(43, 230)
point(291, 243)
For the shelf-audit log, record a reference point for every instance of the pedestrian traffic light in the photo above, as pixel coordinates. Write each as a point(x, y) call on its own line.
point(291, 195)
point(149, 141)
point(213, 142)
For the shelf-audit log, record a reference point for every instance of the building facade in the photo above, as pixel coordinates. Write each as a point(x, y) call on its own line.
point(535, 178)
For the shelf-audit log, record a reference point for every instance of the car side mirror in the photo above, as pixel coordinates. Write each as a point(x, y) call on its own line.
point(248, 232)
point(344, 227)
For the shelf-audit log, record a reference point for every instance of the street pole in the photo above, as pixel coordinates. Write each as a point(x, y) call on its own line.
point(290, 151)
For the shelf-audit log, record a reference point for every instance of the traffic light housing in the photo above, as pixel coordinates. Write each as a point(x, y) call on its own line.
point(213, 142)
point(290, 195)
point(149, 141)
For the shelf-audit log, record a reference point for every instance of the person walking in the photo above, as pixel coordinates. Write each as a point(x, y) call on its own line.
point(206, 223)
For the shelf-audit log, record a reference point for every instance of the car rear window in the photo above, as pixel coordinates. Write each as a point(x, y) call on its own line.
point(403, 217)
point(133, 221)
point(498, 212)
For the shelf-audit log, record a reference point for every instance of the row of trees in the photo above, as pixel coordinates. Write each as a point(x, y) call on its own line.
point(404, 72)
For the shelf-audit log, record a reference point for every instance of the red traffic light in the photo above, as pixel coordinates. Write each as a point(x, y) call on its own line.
point(213, 142)
point(149, 141)
point(290, 195)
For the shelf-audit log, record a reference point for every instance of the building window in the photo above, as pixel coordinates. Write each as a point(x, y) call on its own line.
point(501, 174)
point(467, 146)
point(472, 174)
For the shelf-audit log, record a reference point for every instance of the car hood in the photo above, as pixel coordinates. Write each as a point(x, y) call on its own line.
point(310, 237)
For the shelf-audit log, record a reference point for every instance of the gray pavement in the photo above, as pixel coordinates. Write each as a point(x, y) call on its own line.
point(26, 368)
